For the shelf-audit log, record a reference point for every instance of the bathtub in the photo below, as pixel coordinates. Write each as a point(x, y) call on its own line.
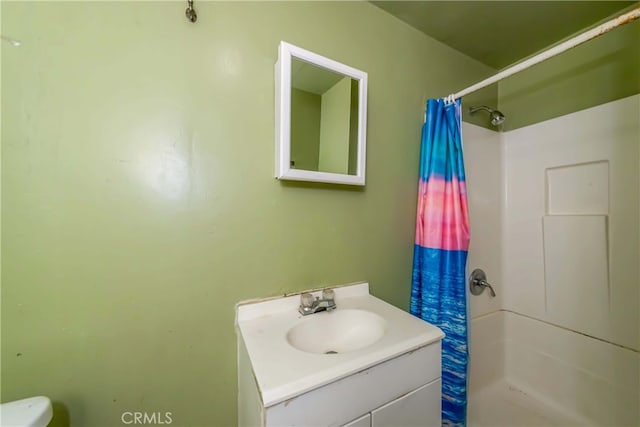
point(526, 372)
point(503, 404)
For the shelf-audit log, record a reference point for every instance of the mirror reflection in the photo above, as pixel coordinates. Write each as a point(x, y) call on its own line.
point(324, 120)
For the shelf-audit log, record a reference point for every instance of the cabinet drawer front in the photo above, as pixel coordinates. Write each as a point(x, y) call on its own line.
point(348, 398)
point(420, 408)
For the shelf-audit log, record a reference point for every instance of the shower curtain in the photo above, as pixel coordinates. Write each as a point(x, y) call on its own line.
point(438, 293)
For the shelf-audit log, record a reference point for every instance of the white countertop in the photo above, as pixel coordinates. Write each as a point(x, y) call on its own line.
point(283, 372)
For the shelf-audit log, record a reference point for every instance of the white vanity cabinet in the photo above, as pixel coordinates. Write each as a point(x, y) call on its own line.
point(421, 407)
point(393, 382)
point(403, 391)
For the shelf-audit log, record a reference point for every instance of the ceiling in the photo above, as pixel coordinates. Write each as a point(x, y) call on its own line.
point(312, 78)
point(499, 33)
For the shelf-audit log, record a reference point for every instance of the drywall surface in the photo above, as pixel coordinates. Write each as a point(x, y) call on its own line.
point(139, 204)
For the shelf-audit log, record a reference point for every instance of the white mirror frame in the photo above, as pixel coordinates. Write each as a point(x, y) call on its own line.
point(283, 116)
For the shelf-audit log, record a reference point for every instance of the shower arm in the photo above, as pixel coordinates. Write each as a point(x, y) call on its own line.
point(497, 118)
point(473, 110)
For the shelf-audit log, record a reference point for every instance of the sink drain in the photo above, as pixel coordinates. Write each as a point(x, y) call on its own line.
point(330, 352)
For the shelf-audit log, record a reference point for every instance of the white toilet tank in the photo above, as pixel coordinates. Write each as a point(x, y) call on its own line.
point(31, 412)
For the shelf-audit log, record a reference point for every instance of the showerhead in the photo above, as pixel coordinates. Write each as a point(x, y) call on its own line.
point(497, 118)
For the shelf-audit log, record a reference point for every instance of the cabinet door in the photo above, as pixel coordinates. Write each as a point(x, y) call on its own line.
point(363, 421)
point(419, 408)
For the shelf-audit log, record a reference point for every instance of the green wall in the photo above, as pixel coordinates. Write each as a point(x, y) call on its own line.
point(335, 128)
point(597, 72)
point(305, 129)
point(138, 198)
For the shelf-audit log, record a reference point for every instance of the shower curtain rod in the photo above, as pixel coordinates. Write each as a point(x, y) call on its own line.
point(562, 47)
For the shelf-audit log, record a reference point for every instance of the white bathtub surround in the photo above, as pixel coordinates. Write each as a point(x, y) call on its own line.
point(526, 368)
point(504, 405)
point(586, 376)
point(487, 362)
point(575, 271)
point(279, 383)
point(596, 152)
point(483, 165)
point(560, 346)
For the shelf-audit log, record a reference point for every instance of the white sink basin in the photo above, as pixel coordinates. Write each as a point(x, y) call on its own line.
point(286, 351)
point(338, 331)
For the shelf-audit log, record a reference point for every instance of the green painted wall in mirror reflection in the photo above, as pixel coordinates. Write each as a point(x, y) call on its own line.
point(305, 129)
point(139, 204)
point(323, 119)
point(335, 121)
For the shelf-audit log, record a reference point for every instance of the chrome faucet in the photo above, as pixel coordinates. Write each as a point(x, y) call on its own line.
point(310, 305)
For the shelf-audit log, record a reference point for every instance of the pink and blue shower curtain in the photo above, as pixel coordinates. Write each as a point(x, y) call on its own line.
point(438, 291)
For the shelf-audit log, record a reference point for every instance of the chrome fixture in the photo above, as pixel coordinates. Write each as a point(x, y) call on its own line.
point(310, 305)
point(497, 118)
point(478, 283)
point(190, 13)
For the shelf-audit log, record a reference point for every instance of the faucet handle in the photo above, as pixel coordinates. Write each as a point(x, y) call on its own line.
point(306, 300)
point(328, 294)
point(478, 283)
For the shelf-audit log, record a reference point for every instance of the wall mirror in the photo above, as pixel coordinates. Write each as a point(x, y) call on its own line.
point(321, 114)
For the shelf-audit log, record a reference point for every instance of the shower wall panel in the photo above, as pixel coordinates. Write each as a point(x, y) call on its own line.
point(583, 163)
point(483, 166)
